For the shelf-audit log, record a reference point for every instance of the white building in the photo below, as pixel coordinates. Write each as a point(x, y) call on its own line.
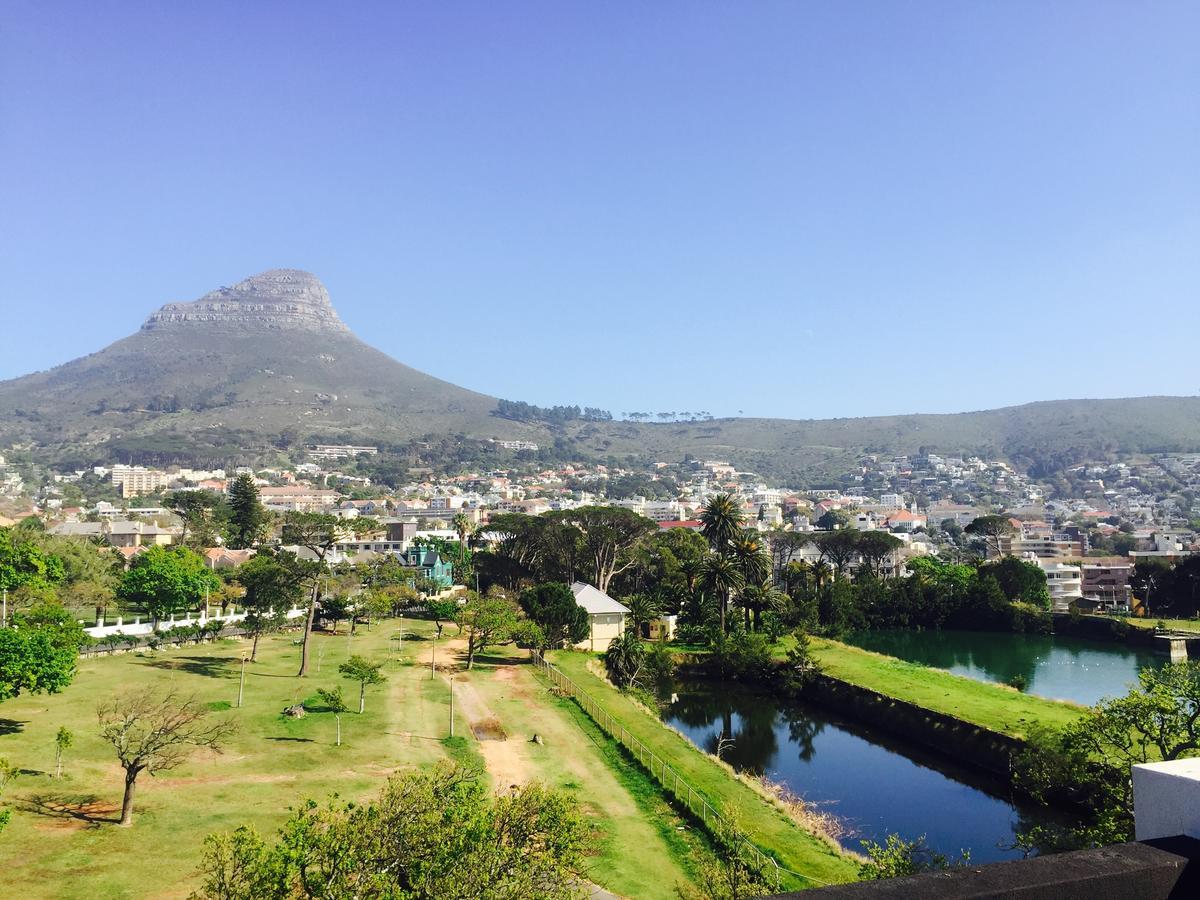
point(606, 617)
point(1065, 583)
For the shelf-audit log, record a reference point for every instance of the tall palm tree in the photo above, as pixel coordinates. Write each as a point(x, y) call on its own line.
point(462, 525)
point(722, 577)
point(821, 573)
point(752, 561)
point(721, 522)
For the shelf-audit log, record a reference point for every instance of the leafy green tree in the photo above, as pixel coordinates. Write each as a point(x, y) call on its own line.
point(833, 520)
point(154, 731)
point(1020, 580)
point(431, 834)
point(487, 622)
point(335, 702)
point(164, 581)
point(274, 583)
point(317, 533)
point(838, 548)
point(360, 669)
point(195, 510)
point(62, 743)
point(23, 564)
point(991, 530)
point(610, 537)
point(441, 611)
point(730, 872)
point(39, 652)
point(874, 547)
point(1090, 761)
point(248, 518)
point(898, 857)
point(8, 774)
point(552, 606)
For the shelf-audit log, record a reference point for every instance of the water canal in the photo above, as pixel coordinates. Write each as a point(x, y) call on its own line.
point(1061, 668)
point(874, 785)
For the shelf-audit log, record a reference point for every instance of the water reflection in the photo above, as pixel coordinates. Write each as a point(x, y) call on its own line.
point(876, 785)
point(1061, 668)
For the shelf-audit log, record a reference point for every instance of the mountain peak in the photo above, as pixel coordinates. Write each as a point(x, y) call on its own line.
point(275, 299)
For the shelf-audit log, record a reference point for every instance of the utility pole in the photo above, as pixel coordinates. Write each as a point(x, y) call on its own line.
point(451, 704)
point(402, 631)
point(433, 660)
point(242, 682)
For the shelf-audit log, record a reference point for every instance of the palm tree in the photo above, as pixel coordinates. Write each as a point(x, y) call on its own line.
point(821, 573)
point(643, 608)
point(721, 522)
point(752, 561)
point(722, 577)
point(462, 525)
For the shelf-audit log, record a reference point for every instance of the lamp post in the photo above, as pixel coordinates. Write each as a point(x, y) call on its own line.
point(451, 704)
point(242, 681)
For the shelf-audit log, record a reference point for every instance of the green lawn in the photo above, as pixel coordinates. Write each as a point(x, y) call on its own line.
point(765, 824)
point(1151, 622)
point(62, 841)
point(993, 706)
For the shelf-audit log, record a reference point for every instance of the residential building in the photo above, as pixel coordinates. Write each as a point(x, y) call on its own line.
point(297, 498)
point(606, 617)
point(1107, 584)
point(1064, 582)
point(137, 480)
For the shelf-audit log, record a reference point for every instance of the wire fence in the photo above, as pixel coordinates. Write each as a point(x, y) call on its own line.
point(662, 772)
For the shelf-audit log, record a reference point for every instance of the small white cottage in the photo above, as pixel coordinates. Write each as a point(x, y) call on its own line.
point(606, 617)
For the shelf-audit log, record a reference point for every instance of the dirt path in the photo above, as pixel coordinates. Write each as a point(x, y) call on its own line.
point(502, 754)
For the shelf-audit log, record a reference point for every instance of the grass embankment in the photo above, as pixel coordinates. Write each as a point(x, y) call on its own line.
point(1192, 625)
point(62, 840)
point(992, 706)
point(768, 826)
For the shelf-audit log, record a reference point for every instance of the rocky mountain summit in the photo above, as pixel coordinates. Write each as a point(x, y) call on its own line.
point(278, 298)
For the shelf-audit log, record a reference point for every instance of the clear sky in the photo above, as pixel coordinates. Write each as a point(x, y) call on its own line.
point(794, 209)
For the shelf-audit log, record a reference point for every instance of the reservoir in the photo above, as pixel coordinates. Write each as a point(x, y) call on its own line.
point(1061, 668)
point(873, 784)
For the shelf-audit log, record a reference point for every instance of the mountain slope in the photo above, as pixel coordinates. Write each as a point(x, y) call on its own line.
point(268, 361)
point(265, 357)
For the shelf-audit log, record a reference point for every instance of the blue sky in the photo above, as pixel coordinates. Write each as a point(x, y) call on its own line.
point(793, 209)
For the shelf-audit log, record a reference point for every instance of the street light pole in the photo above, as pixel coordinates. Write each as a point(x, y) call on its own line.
point(242, 682)
point(433, 660)
point(452, 704)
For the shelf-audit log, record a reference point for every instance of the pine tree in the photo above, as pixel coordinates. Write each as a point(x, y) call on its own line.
point(247, 516)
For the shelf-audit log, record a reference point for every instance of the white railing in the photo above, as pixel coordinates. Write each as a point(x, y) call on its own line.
point(139, 628)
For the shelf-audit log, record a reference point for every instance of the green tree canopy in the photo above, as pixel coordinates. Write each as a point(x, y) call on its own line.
point(435, 833)
point(552, 606)
point(164, 581)
point(248, 518)
point(39, 651)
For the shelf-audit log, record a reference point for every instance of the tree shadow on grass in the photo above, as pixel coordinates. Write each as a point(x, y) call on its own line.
point(208, 666)
point(80, 807)
point(292, 739)
point(12, 726)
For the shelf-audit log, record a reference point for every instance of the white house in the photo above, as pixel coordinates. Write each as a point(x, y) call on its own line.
point(606, 617)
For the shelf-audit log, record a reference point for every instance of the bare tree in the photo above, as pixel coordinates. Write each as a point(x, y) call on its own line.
point(153, 731)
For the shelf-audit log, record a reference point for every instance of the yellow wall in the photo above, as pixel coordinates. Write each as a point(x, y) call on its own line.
point(604, 627)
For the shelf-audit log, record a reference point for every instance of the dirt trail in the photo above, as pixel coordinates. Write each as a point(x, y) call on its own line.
point(502, 753)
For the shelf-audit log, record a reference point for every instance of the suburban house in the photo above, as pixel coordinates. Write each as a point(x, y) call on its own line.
point(119, 533)
point(1106, 582)
point(428, 563)
point(606, 617)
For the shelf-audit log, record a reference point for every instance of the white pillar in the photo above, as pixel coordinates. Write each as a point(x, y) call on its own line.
point(1166, 799)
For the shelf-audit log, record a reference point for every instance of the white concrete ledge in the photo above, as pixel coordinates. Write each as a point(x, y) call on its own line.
point(1166, 799)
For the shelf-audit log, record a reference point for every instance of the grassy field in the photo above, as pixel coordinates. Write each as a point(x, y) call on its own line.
point(795, 848)
point(993, 706)
point(1171, 624)
point(63, 842)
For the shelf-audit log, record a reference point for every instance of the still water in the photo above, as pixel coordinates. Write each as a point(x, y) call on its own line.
point(1062, 668)
point(873, 784)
